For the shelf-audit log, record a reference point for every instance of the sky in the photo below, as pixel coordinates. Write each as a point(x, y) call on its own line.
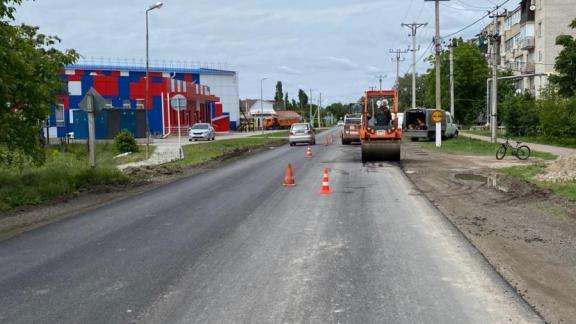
point(334, 47)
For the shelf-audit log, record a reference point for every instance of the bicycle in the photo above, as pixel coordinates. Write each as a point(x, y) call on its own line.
point(522, 152)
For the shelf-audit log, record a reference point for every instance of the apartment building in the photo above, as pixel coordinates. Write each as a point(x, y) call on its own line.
point(527, 40)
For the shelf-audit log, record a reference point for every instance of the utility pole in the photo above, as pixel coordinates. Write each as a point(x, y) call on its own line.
point(398, 59)
point(451, 46)
point(438, 51)
point(380, 77)
point(494, 41)
point(414, 28)
point(310, 104)
point(319, 105)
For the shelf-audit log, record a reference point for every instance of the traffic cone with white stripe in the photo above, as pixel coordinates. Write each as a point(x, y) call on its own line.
point(309, 152)
point(289, 177)
point(325, 190)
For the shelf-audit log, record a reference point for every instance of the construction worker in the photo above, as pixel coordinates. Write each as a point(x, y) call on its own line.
point(382, 116)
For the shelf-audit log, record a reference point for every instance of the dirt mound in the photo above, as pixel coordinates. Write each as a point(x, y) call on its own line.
point(561, 170)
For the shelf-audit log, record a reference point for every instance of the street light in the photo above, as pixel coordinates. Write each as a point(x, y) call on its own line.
point(262, 105)
point(157, 5)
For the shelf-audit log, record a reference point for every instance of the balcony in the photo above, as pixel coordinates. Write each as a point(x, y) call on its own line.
point(528, 68)
point(527, 43)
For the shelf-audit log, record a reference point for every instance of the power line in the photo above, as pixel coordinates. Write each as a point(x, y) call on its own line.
point(475, 22)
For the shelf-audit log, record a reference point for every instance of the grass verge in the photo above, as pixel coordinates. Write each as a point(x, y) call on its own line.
point(64, 173)
point(529, 172)
point(469, 146)
point(61, 175)
point(196, 154)
point(135, 157)
point(554, 141)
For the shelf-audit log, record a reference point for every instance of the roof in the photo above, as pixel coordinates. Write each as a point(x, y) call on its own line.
point(98, 67)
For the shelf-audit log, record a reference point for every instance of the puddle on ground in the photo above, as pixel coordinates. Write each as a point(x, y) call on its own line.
point(471, 177)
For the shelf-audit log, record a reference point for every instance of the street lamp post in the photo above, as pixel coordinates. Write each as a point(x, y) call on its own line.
point(262, 104)
point(157, 5)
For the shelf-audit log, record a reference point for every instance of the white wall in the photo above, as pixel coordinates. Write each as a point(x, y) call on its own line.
point(226, 88)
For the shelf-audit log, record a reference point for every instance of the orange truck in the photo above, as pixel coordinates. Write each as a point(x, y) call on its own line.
point(282, 120)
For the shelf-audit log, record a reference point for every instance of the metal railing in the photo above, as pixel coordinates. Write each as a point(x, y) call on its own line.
point(165, 64)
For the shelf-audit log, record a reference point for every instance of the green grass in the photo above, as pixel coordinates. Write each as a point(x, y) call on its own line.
point(62, 174)
point(135, 157)
point(279, 134)
point(528, 173)
point(554, 141)
point(469, 146)
point(195, 154)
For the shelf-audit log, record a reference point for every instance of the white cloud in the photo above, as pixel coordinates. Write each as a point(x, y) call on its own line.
point(333, 46)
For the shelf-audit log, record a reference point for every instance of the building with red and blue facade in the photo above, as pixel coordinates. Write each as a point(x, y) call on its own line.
point(212, 97)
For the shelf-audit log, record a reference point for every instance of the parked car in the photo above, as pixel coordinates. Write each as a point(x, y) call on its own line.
point(340, 123)
point(351, 130)
point(201, 131)
point(418, 124)
point(302, 133)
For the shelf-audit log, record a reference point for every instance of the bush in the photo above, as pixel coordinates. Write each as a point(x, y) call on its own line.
point(520, 115)
point(125, 142)
point(557, 115)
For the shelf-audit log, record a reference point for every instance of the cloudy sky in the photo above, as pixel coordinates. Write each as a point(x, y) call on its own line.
point(337, 47)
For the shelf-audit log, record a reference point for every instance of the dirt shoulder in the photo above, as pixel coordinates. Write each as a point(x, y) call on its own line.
point(145, 178)
point(528, 234)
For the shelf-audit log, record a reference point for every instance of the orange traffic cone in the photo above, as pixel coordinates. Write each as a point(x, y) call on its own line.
point(325, 141)
point(325, 190)
point(330, 140)
point(289, 177)
point(309, 152)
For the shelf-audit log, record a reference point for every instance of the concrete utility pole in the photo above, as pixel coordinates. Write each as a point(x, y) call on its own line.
point(414, 28)
point(397, 59)
point(380, 77)
point(310, 104)
point(262, 104)
point(319, 105)
point(438, 52)
point(494, 40)
point(451, 46)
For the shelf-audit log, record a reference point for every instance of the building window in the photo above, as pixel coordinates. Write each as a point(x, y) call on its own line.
point(59, 114)
point(539, 56)
point(539, 31)
point(139, 103)
point(126, 104)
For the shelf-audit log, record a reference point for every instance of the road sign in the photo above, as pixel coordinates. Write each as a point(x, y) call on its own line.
point(178, 102)
point(437, 116)
point(98, 102)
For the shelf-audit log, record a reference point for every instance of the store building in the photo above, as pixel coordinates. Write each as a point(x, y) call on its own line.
point(212, 96)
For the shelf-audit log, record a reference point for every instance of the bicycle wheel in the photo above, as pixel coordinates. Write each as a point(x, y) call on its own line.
point(501, 153)
point(523, 152)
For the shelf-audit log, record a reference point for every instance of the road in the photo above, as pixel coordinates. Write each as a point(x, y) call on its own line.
point(233, 245)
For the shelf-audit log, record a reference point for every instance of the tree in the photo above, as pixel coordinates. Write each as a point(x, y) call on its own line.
point(287, 102)
point(404, 87)
point(302, 98)
point(29, 82)
point(279, 95)
point(565, 65)
point(470, 73)
point(338, 110)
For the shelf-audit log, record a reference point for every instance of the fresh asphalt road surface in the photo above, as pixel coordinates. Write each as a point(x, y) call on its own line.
point(233, 245)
